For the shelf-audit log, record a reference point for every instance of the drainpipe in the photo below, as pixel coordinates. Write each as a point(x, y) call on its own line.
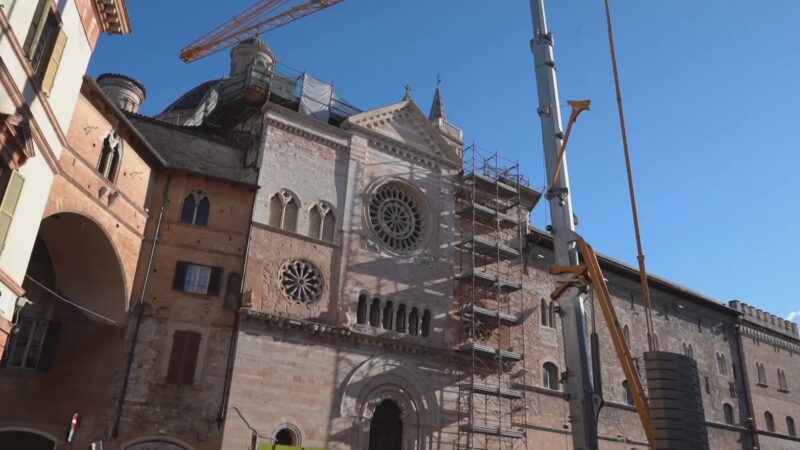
point(226, 390)
point(140, 312)
point(746, 382)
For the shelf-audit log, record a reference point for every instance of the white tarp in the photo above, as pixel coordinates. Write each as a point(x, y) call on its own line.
point(315, 99)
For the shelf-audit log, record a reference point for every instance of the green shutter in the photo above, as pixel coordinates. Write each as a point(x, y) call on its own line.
point(35, 31)
point(9, 204)
point(55, 61)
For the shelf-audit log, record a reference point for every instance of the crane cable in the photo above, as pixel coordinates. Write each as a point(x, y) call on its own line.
point(640, 253)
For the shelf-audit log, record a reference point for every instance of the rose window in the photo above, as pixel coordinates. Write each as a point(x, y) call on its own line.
point(396, 217)
point(300, 281)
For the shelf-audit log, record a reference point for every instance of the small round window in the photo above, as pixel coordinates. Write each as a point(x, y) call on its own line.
point(300, 281)
point(397, 217)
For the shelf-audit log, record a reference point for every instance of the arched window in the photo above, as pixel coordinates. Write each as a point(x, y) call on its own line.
point(550, 376)
point(552, 312)
point(626, 333)
point(400, 320)
point(361, 316)
point(655, 341)
point(728, 410)
point(782, 380)
point(790, 429)
point(545, 313)
point(110, 157)
point(321, 222)
point(687, 350)
point(232, 290)
point(196, 208)
point(375, 312)
point(722, 366)
point(283, 207)
point(762, 374)
point(413, 322)
point(769, 421)
point(388, 315)
point(426, 322)
point(626, 393)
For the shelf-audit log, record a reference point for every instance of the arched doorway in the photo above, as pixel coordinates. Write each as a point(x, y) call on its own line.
point(386, 427)
point(24, 440)
point(68, 342)
point(155, 445)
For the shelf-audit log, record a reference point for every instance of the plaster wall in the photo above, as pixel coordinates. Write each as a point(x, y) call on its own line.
point(51, 115)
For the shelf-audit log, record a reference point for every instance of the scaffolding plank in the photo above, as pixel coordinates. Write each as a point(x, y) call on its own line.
point(491, 184)
point(486, 389)
point(491, 314)
point(487, 351)
point(489, 248)
point(494, 431)
point(484, 278)
point(487, 215)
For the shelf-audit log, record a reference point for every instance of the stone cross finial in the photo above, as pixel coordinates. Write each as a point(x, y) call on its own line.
point(407, 96)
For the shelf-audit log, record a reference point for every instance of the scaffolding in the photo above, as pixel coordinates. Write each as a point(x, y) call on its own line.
point(492, 199)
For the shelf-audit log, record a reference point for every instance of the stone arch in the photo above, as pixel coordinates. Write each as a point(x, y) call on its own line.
point(87, 266)
point(168, 443)
point(291, 424)
point(34, 439)
point(388, 378)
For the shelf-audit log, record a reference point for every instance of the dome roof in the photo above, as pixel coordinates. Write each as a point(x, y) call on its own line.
point(192, 97)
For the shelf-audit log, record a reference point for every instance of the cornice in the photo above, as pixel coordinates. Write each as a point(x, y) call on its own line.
point(113, 15)
point(342, 333)
point(303, 126)
point(24, 110)
point(408, 151)
point(768, 336)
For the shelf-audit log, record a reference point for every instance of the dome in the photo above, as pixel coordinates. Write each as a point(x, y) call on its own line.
point(189, 100)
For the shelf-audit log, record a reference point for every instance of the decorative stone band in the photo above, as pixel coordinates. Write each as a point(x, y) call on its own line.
point(345, 333)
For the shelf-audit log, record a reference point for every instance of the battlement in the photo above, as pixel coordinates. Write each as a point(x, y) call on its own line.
point(765, 319)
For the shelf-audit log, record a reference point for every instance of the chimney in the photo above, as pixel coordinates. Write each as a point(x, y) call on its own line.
point(253, 52)
point(125, 92)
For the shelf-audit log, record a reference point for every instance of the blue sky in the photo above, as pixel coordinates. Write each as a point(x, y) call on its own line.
point(710, 92)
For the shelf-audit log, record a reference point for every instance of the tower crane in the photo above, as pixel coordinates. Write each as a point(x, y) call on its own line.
point(252, 22)
point(576, 266)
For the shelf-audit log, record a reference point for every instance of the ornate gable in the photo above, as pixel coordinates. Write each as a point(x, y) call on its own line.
point(404, 122)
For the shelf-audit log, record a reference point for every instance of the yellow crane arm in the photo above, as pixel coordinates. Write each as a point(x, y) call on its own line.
point(591, 273)
point(595, 276)
point(250, 23)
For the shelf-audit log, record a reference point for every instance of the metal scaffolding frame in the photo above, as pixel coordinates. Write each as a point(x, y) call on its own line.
point(492, 221)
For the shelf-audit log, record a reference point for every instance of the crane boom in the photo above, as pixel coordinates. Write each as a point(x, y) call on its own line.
point(250, 23)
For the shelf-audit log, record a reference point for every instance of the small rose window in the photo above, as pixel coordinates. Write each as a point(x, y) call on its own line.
point(300, 281)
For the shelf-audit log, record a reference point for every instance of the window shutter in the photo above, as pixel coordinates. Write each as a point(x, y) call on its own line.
point(183, 357)
point(55, 61)
point(35, 32)
point(214, 281)
point(9, 204)
point(192, 347)
point(175, 356)
point(49, 346)
point(180, 275)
